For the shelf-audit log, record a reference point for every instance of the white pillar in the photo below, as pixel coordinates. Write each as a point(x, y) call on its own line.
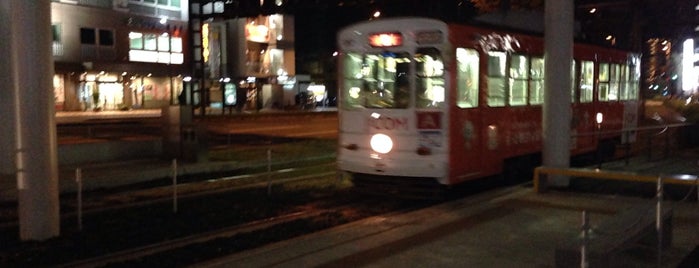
point(35, 125)
point(558, 54)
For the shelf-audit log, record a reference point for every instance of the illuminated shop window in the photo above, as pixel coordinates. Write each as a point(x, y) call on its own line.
point(496, 78)
point(467, 77)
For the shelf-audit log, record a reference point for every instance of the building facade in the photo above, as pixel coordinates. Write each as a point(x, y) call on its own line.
point(119, 54)
point(240, 61)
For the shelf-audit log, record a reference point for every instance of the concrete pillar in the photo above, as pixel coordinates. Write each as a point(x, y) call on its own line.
point(35, 125)
point(558, 54)
point(7, 84)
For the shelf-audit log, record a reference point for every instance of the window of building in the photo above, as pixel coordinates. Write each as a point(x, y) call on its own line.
point(135, 40)
point(88, 36)
point(92, 36)
point(587, 81)
point(518, 80)
point(496, 78)
point(603, 76)
point(56, 46)
point(536, 84)
point(467, 77)
point(56, 33)
point(164, 42)
point(150, 42)
point(149, 47)
point(176, 44)
point(168, 3)
point(106, 37)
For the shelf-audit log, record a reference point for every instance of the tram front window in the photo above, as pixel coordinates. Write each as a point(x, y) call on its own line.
point(430, 87)
point(376, 80)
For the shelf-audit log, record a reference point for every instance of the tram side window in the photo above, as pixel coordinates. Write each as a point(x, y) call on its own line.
point(634, 80)
point(603, 90)
point(573, 75)
point(613, 82)
point(536, 84)
point(376, 80)
point(624, 82)
point(519, 78)
point(430, 87)
point(467, 77)
point(587, 80)
point(496, 78)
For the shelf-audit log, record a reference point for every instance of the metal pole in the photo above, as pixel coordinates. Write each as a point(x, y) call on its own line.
point(269, 172)
point(627, 149)
point(79, 182)
point(659, 219)
point(599, 146)
point(174, 185)
point(585, 231)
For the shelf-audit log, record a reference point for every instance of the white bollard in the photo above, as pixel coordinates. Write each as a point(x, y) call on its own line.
point(79, 183)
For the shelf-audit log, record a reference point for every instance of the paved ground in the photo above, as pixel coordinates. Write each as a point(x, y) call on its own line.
point(515, 227)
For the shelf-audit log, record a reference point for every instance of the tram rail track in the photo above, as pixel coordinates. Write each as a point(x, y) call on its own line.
point(321, 213)
point(160, 247)
point(141, 197)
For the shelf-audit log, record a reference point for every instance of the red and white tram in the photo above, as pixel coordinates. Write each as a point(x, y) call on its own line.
point(420, 99)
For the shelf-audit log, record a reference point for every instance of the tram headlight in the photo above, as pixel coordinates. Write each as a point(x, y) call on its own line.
point(381, 143)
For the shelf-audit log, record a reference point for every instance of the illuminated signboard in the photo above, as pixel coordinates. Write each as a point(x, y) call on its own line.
point(385, 39)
